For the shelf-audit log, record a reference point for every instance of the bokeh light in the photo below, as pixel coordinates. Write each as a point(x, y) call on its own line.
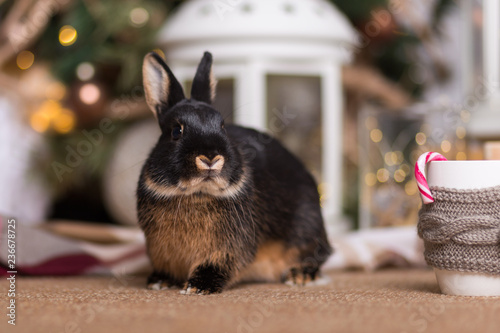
point(40, 122)
point(370, 179)
point(67, 35)
point(52, 114)
point(411, 187)
point(420, 138)
point(382, 175)
point(445, 146)
point(50, 108)
point(461, 156)
point(139, 17)
point(89, 93)
point(392, 158)
point(85, 71)
point(25, 59)
point(399, 175)
point(461, 132)
point(64, 122)
point(55, 91)
point(376, 135)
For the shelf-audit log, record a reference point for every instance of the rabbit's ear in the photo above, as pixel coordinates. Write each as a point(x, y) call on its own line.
point(204, 82)
point(160, 86)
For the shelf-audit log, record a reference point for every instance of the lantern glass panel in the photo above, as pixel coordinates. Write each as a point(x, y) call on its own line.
point(390, 143)
point(224, 98)
point(294, 117)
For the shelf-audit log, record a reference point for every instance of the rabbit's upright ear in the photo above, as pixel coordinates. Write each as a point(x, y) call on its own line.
point(160, 86)
point(204, 82)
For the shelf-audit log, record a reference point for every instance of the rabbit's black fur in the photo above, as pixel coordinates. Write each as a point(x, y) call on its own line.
point(220, 204)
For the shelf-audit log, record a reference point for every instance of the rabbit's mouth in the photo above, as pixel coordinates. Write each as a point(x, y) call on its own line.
point(208, 178)
point(206, 183)
point(210, 175)
point(210, 183)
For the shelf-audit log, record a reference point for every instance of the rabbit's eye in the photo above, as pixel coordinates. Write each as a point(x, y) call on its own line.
point(176, 132)
point(222, 125)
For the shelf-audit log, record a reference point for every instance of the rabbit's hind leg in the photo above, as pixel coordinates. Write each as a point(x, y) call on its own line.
point(308, 269)
point(301, 276)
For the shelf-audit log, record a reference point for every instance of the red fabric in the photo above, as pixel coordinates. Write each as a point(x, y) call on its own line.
point(75, 264)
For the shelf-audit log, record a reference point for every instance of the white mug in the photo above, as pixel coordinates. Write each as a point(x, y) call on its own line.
point(465, 175)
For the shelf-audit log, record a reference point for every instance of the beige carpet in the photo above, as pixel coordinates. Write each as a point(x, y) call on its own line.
point(384, 301)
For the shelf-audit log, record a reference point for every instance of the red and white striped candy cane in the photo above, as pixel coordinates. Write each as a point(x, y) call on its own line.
point(423, 187)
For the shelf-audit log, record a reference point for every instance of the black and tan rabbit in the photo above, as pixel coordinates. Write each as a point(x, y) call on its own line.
point(222, 204)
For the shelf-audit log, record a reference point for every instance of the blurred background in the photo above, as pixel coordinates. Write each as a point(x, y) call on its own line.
point(358, 89)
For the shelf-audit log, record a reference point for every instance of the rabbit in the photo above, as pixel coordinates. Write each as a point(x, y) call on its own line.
point(222, 204)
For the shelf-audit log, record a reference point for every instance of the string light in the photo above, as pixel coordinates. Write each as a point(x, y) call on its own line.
point(25, 59)
point(67, 35)
point(461, 156)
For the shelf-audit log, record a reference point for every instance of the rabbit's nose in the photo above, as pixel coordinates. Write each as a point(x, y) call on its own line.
point(204, 163)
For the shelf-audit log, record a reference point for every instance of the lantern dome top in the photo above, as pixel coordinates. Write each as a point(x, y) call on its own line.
point(245, 28)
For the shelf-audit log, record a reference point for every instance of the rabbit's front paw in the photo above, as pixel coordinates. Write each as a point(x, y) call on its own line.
point(192, 290)
point(206, 279)
point(159, 285)
point(201, 289)
point(160, 281)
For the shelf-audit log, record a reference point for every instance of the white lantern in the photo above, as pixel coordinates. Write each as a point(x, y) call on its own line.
point(279, 63)
point(481, 66)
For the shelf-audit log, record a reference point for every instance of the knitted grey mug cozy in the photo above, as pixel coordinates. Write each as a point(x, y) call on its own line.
point(461, 229)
